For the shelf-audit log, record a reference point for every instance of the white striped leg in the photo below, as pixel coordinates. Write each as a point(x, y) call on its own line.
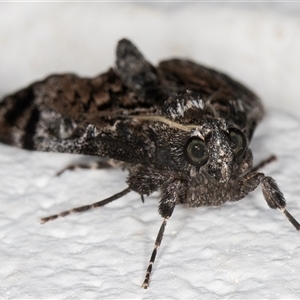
point(159, 238)
point(87, 207)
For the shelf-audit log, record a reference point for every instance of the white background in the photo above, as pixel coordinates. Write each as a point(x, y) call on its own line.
point(240, 250)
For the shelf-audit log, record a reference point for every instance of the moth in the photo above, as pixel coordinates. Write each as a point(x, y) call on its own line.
point(179, 128)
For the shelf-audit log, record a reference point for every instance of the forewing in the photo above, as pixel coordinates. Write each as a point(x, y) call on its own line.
point(231, 100)
point(64, 112)
point(58, 113)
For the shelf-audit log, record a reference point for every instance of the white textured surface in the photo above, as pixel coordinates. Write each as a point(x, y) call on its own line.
point(240, 250)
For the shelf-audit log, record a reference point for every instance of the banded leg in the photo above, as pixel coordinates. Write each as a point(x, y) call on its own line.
point(270, 190)
point(93, 165)
point(87, 207)
point(263, 163)
point(275, 199)
point(170, 196)
point(272, 194)
point(159, 237)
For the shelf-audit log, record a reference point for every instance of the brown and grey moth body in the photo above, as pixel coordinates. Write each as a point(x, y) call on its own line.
point(179, 128)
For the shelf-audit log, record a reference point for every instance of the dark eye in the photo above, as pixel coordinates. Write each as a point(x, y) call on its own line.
point(238, 142)
point(196, 152)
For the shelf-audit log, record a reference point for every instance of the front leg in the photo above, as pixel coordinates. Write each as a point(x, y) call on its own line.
point(275, 198)
point(171, 193)
point(270, 190)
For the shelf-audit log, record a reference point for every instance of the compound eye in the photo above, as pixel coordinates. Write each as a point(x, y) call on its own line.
point(196, 152)
point(238, 142)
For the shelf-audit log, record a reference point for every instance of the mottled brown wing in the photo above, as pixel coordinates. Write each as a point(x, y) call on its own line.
point(61, 107)
point(54, 108)
point(231, 100)
point(56, 114)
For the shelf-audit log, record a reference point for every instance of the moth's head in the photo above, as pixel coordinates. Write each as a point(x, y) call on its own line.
point(211, 146)
point(217, 150)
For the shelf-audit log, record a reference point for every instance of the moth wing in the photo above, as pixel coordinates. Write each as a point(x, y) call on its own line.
point(54, 114)
point(185, 74)
point(232, 100)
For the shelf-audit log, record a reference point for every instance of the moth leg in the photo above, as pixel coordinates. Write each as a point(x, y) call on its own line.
point(158, 240)
point(275, 199)
point(170, 196)
point(263, 163)
point(87, 207)
point(93, 165)
point(270, 190)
